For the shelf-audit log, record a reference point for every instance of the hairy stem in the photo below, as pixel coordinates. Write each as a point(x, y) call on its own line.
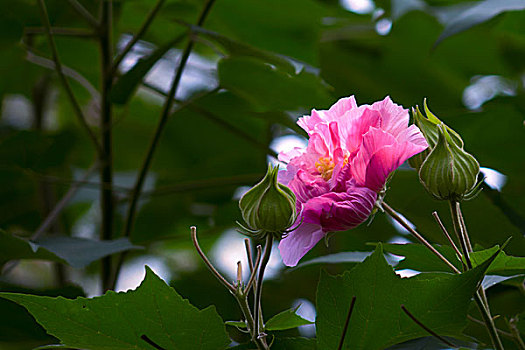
point(242, 300)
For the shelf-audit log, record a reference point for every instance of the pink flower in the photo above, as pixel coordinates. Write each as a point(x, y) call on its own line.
point(350, 155)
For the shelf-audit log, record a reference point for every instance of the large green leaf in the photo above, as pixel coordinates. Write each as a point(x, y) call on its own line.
point(114, 321)
point(438, 300)
point(77, 252)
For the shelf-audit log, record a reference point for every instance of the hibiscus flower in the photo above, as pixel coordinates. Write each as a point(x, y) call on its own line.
point(351, 152)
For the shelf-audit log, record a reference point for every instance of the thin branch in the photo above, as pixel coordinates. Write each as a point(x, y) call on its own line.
point(130, 218)
point(106, 157)
point(445, 232)
point(254, 270)
point(62, 77)
point(53, 215)
point(249, 255)
point(420, 238)
point(81, 10)
point(137, 36)
point(218, 120)
point(212, 269)
point(431, 332)
point(503, 333)
point(69, 72)
point(75, 32)
point(347, 322)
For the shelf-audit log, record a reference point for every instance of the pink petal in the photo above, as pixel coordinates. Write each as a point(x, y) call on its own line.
point(373, 140)
point(341, 107)
point(306, 186)
point(394, 117)
point(337, 211)
point(299, 242)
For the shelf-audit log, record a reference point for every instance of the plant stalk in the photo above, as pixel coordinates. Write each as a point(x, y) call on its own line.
point(106, 158)
point(166, 112)
point(388, 209)
point(259, 326)
point(480, 297)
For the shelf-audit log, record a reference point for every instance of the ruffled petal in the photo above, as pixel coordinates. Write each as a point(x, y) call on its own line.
point(394, 118)
point(299, 242)
point(337, 211)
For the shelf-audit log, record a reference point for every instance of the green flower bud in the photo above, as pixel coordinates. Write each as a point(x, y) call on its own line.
point(268, 207)
point(429, 127)
point(448, 172)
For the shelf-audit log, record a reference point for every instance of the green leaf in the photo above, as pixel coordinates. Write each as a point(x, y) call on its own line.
point(476, 13)
point(238, 324)
point(77, 252)
point(418, 257)
point(438, 300)
point(122, 320)
point(270, 88)
point(337, 258)
point(286, 320)
point(236, 48)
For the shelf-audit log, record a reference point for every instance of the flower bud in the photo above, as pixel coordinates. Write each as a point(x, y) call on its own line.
point(429, 127)
point(268, 207)
point(448, 172)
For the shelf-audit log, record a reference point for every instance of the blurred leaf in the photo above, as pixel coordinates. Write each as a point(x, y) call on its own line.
point(269, 88)
point(128, 83)
point(438, 300)
point(80, 252)
point(236, 48)
point(476, 13)
point(289, 27)
point(77, 252)
point(153, 310)
point(286, 320)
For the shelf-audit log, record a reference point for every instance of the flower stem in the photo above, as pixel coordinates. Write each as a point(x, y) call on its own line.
point(212, 269)
point(242, 300)
point(259, 327)
point(418, 236)
point(480, 297)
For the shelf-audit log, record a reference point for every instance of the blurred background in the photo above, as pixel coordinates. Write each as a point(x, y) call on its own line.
point(255, 68)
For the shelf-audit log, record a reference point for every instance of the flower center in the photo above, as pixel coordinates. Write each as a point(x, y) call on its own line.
point(325, 167)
